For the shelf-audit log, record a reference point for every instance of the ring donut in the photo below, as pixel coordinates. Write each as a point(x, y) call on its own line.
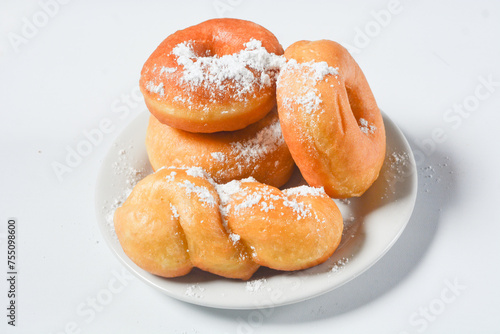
point(258, 150)
point(329, 117)
point(219, 75)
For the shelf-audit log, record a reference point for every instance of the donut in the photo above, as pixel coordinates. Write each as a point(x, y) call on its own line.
point(293, 229)
point(171, 222)
point(176, 219)
point(258, 150)
point(219, 75)
point(329, 118)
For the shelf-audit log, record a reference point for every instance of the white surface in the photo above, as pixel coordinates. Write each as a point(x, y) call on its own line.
point(81, 68)
point(372, 224)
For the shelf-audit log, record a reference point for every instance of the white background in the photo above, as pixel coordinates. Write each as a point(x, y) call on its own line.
point(66, 67)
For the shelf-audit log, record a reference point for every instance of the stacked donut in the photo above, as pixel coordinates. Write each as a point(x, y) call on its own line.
point(211, 90)
point(231, 115)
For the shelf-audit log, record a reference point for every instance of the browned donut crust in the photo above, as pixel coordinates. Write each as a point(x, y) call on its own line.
point(218, 75)
point(177, 219)
point(258, 150)
point(329, 117)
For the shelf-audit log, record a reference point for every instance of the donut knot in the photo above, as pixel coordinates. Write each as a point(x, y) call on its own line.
point(177, 219)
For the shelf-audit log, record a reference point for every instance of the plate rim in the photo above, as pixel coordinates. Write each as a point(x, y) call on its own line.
point(139, 273)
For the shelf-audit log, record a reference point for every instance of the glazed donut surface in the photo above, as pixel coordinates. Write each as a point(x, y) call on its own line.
point(218, 75)
point(329, 117)
point(258, 150)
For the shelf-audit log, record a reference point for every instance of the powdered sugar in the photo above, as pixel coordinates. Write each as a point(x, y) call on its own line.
point(250, 69)
point(310, 100)
point(339, 265)
point(249, 201)
point(167, 70)
point(170, 177)
point(226, 191)
point(305, 191)
point(365, 127)
point(265, 200)
point(265, 141)
point(398, 167)
point(248, 156)
point(234, 237)
point(197, 172)
point(175, 214)
point(255, 285)
point(265, 207)
point(131, 175)
point(204, 195)
point(310, 73)
point(191, 171)
point(219, 156)
point(185, 100)
point(158, 89)
point(194, 291)
point(300, 208)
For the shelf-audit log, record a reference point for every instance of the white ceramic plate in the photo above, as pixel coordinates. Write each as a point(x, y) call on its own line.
point(373, 223)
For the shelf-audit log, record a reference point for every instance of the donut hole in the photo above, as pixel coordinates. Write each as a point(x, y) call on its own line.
point(354, 102)
point(213, 48)
point(202, 49)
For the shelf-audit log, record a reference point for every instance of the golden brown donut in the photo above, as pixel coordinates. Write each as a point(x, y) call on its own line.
point(177, 219)
point(171, 222)
point(293, 229)
point(258, 150)
point(219, 75)
point(329, 117)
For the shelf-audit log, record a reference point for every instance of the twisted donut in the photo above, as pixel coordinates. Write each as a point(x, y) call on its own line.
point(219, 75)
point(258, 150)
point(176, 219)
point(329, 117)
